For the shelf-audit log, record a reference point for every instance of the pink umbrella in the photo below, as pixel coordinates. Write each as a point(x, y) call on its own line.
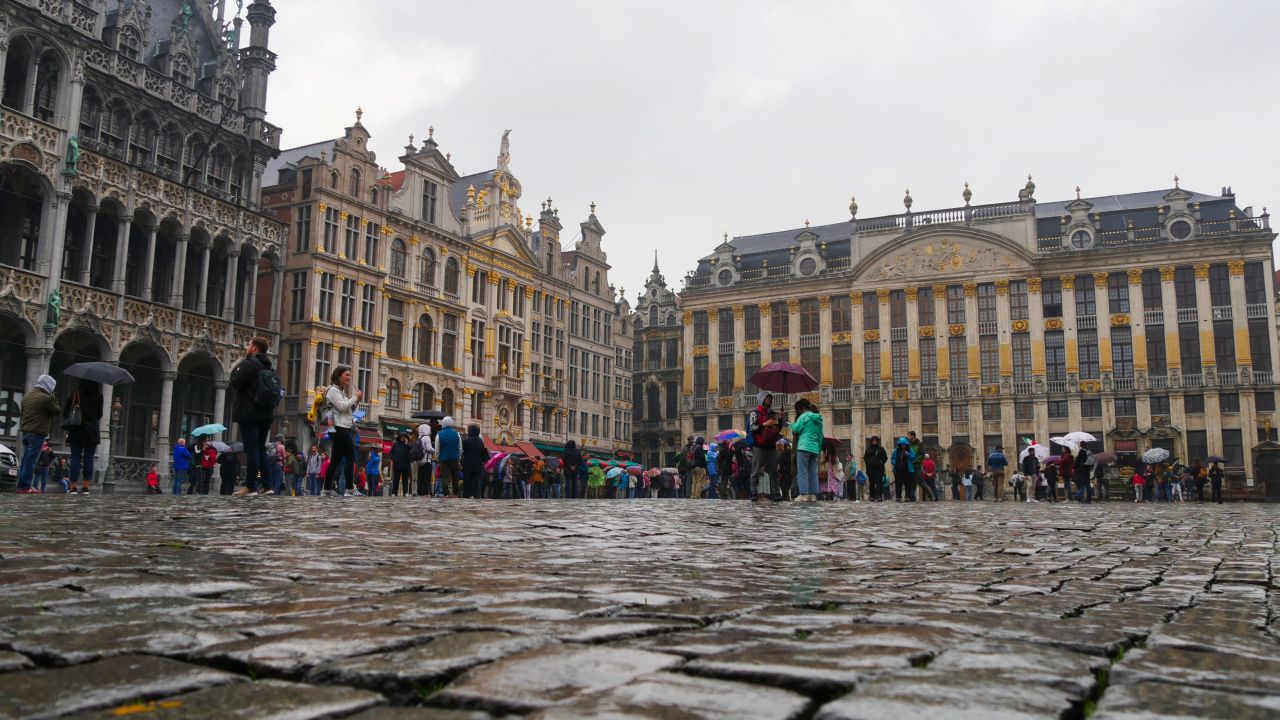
point(784, 377)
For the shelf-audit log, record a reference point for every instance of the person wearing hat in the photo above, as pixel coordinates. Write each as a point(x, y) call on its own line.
point(39, 408)
point(996, 463)
point(904, 468)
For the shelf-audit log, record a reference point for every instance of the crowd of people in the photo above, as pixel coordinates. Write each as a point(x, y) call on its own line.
point(439, 460)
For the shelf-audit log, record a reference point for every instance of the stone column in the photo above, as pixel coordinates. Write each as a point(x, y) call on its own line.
point(150, 264)
point(1240, 321)
point(1035, 324)
point(713, 351)
point(203, 307)
point(687, 353)
point(824, 337)
point(1004, 323)
point(277, 292)
point(1138, 321)
point(1204, 315)
point(122, 252)
point(766, 334)
point(165, 470)
point(971, 343)
point(739, 359)
point(61, 208)
point(886, 358)
point(1101, 301)
point(29, 92)
point(251, 311)
point(855, 317)
point(1069, 325)
point(233, 273)
point(793, 330)
point(91, 220)
point(942, 337)
point(180, 271)
point(913, 338)
point(220, 403)
point(1169, 302)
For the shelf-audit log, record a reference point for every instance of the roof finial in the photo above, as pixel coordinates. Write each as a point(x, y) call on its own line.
point(655, 260)
point(359, 114)
point(431, 132)
point(1175, 181)
point(1077, 192)
point(410, 138)
point(593, 207)
point(726, 239)
point(967, 194)
point(448, 157)
point(853, 206)
point(907, 199)
point(806, 223)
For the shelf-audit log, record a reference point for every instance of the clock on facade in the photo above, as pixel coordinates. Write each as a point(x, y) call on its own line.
point(725, 277)
point(1081, 239)
point(1180, 229)
point(808, 266)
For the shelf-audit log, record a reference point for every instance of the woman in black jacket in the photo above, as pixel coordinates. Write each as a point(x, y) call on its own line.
point(83, 438)
point(474, 456)
point(401, 465)
point(874, 460)
point(571, 460)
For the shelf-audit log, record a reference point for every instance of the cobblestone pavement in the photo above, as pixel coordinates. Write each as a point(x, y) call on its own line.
point(390, 609)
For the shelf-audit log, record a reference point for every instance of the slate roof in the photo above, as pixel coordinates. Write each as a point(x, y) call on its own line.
point(292, 157)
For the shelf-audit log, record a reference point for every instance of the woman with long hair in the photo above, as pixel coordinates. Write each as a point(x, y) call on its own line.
point(343, 398)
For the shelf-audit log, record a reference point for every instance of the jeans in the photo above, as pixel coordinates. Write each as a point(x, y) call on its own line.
point(254, 436)
point(554, 491)
point(32, 444)
point(179, 477)
point(41, 479)
point(450, 480)
point(968, 492)
point(313, 484)
point(277, 477)
point(764, 460)
point(81, 463)
point(807, 472)
point(1084, 490)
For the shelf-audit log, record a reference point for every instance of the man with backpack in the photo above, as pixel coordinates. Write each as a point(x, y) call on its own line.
point(257, 388)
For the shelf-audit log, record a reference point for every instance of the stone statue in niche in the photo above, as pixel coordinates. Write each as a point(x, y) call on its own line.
point(73, 156)
point(55, 308)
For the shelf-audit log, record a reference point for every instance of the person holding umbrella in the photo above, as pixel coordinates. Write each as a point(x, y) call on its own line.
point(83, 432)
point(763, 430)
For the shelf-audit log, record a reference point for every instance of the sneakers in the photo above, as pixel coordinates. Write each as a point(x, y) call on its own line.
point(266, 492)
point(28, 491)
point(243, 491)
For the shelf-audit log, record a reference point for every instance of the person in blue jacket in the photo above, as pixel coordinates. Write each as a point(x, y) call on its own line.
point(449, 453)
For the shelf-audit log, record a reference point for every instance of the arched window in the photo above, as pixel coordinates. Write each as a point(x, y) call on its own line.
point(446, 401)
point(181, 72)
point(115, 126)
point(595, 284)
point(239, 170)
point(90, 114)
point(219, 167)
point(142, 144)
point(427, 268)
point(393, 394)
point(194, 157)
point(586, 279)
point(653, 315)
point(399, 257)
point(426, 340)
point(169, 148)
point(48, 77)
point(373, 196)
point(333, 180)
point(421, 393)
point(451, 276)
point(129, 42)
point(428, 398)
point(353, 185)
point(654, 403)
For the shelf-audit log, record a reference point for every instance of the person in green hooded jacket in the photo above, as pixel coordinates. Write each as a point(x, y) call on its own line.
point(808, 433)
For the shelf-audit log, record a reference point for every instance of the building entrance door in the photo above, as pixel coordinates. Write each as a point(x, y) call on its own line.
point(1267, 468)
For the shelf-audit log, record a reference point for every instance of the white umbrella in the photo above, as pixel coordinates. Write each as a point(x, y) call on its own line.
point(1080, 437)
point(1067, 442)
point(1041, 451)
point(1155, 455)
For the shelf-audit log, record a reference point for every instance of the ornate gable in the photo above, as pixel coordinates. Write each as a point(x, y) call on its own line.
point(942, 253)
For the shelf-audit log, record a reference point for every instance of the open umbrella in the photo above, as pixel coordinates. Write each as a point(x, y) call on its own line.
point(1155, 455)
point(1080, 437)
point(1041, 451)
point(101, 372)
point(635, 470)
point(835, 442)
point(1067, 442)
point(730, 436)
point(219, 446)
point(614, 472)
point(209, 429)
point(1215, 458)
point(784, 377)
point(1105, 458)
point(428, 415)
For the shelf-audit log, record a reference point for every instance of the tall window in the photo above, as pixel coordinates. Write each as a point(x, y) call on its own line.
point(673, 353)
point(779, 320)
point(841, 366)
point(367, 305)
point(871, 357)
point(302, 228)
point(1122, 352)
point(1157, 353)
point(323, 366)
point(989, 358)
point(700, 378)
point(1018, 300)
point(1224, 345)
point(987, 312)
point(327, 283)
point(924, 306)
point(1184, 287)
point(351, 239)
point(451, 276)
point(700, 332)
point(399, 258)
point(750, 322)
point(330, 240)
point(477, 347)
point(1087, 343)
point(1219, 285)
point(1118, 292)
point(429, 192)
point(1189, 348)
point(841, 316)
point(751, 364)
point(395, 329)
point(371, 231)
point(479, 283)
point(958, 359)
point(928, 361)
point(347, 303)
point(955, 304)
point(298, 296)
point(897, 309)
point(899, 357)
point(393, 394)
point(293, 369)
point(1055, 356)
point(364, 371)
point(1152, 293)
point(1233, 448)
point(870, 311)
point(725, 370)
point(1255, 283)
point(1051, 297)
point(1086, 305)
point(673, 400)
point(810, 317)
point(1260, 345)
point(426, 340)
point(1022, 347)
point(449, 341)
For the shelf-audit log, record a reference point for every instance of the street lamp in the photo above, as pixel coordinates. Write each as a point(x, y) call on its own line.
point(108, 478)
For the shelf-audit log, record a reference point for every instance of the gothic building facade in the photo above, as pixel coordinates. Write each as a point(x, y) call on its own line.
point(659, 357)
point(132, 147)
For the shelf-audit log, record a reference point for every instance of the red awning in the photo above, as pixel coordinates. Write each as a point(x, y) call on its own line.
point(371, 441)
point(492, 446)
point(529, 449)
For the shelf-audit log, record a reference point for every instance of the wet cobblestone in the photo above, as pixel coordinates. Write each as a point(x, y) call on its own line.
point(402, 609)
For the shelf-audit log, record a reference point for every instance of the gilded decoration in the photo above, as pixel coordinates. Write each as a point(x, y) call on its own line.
point(956, 330)
point(824, 302)
point(913, 294)
point(1053, 323)
point(939, 291)
point(1033, 284)
point(1068, 282)
point(1100, 279)
point(1167, 273)
point(855, 298)
point(841, 338)
point(751, 346)
point(991, 389)
point(1202, 271)
point(764, 310)
point(1021, 325)
point(1002, 287)
point(725, 403)
point(1135, 276)
point(687, 316)
point(927, 331)
point(1119, 320)
point(778, 343)
point(1090, 386)
point(793, 304)
point(946, 256)
point(871, 335)
point(901, 394)
point(1235, 267)
point(970, 289)
point(882, 295)
point(737, 312)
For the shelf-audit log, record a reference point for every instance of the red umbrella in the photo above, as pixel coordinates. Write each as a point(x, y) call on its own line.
point(784, 377)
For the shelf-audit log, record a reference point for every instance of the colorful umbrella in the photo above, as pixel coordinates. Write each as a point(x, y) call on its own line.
point(730, 436)
point(1155, 455)
point(209, 429)
point(784, 377)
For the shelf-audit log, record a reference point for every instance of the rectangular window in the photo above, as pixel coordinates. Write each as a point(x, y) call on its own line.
point(367, 305)
point(1122, 352)
point(1018, 308)
point(811, 357)
point(1260, 344)
point(364, 371)
point(1118, 292)
point(871, 415)
point(1058, 409)
point(298, 296)
point(395, 329)
point(429, 192)
point(1051, 297)
point(477, 347)
point(751, 362)
point(293, 369)
point(1184, 287)
point(1229, 403)
point(1189, 347)
point(779, 320)
point(344, 356)
point(1152, 292)
point(1224, 345)
point(1086, 299)
point(1233, 448)
point(481, 281)
point(1219, 285)
point(809, 317)
point(751, 322)
point(841, 314)
point(1021, 357)
point(1264, 401)
point(700, 332)
point(302, 228)
point(842, 417)
point(449, 342)
point(673, 400)
point(323, 365)
point(1197, 445)
point(928, 415)
point(928, 361)
point(700, 379)
point(955, 304)
point(1087, 344)
point(841, 366)
point(725, 322)
point(1193, 404)
point(901, 414)
point(959, 412)
point(1255, 283)
point(1055, 356)
point(673, 353)
point(870, 311)
point(987, 303)
point(991, 411)
point(351, 239)
point(347, 303)
point(1091, 407)
point(1126, 407)
point(330, 239)
point(1157, 353)
point(327, 283)
point(726, 374)
point(899, 356)
point(1160, 405)
point(871, 357)
point(989, 358)
point(958, 354)
point(371, 231)
point(925, 306)
point(897, 308)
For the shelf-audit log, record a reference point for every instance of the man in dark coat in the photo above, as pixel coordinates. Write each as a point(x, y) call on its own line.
point(253, 419)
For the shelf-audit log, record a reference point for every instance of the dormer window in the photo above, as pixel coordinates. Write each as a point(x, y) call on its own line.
point(181, 71)
point(353, 185)
point(129, 43)
point(429, 193)
point(226, 91)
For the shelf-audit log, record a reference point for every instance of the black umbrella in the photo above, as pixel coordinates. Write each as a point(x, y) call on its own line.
point(100, 372)
point(428, 415)
point(1215, 458)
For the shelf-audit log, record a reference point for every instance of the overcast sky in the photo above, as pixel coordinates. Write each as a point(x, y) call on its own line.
point(685, 120)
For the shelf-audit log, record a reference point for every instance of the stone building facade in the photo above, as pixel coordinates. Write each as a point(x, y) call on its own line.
point(658, 371)
point(1145, 319)
point(132, 148)
point(441, 294)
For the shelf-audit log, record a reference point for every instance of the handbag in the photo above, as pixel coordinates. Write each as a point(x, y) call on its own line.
point(75, 419)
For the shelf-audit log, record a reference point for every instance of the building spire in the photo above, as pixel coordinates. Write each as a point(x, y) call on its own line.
point(655, 261)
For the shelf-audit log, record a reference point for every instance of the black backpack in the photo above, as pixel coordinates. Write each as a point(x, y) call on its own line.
point(268, 391)
point(417, 453)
